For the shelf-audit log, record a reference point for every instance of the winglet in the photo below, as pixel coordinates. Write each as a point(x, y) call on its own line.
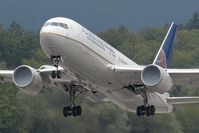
point(164, 55)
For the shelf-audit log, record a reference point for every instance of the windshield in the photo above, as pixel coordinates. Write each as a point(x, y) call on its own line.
point(65, 26)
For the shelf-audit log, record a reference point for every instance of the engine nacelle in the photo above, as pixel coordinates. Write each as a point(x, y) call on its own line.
point(27, 79)
point(156, 78)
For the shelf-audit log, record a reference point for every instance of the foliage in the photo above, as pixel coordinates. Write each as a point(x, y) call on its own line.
point(11, 111)
point(193, 22)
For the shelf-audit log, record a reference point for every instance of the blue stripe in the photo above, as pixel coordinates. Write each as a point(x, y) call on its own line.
point(168, 44)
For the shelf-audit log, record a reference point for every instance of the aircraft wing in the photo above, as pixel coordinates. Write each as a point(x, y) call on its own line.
point(187, 77)
point(6, 75)
point(178, 76)
point(126, 74)
point(184, 76)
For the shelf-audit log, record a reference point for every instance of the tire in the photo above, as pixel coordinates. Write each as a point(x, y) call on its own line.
point(139, 111)
point(74, 111)
point(59, 74)
point(53, 74)
point(65, 111)
point(143, 110)
point(152, 110)
point(148, 111)
point(79, 110)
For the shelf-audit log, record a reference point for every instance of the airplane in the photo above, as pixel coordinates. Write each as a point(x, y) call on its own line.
point(84, 64)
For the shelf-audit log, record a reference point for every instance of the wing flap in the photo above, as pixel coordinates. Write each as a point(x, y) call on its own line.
point(182, 100)
point(184, 76)
point(49, 69)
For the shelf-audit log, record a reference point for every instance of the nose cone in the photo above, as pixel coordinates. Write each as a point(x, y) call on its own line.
point(55, 33)
point(51, 43)
point(51, 29)
point(42, 30)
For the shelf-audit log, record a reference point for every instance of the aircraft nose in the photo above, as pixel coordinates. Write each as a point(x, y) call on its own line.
point(45, 29)
point(52, 44)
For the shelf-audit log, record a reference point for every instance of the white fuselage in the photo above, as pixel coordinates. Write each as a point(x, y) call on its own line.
point(88, 56)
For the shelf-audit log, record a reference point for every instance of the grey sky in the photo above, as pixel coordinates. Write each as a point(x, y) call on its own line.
point(98, 15)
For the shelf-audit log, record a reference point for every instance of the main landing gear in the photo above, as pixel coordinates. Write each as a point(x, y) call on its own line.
point(56, 73)
point(147, 109)
point(74, 91)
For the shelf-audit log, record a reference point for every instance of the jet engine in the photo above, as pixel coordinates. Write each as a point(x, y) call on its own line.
point(27, 79)
point(156, 78)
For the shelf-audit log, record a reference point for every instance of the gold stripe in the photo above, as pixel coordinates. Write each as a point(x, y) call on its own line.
point(79, 43)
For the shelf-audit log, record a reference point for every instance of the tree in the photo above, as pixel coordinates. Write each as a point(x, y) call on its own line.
point(193, 22)
point(11, 110)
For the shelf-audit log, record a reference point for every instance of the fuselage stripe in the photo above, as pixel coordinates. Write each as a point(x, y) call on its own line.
point(81, 44)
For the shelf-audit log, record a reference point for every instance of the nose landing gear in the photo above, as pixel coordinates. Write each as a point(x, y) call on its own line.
point(57, 73)
point(72, 110)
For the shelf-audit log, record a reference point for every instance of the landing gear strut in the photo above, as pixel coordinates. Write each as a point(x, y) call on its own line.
point(74, 91)
point(56, 60)
point(147, 109)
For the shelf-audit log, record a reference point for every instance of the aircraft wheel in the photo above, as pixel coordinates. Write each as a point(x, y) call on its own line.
point(148, 111)
point(74, 111)
point(143, 109)
point(152, 110)
point(53, 74)
point(139, 111)
point(59, 74)
point(79, 110)
point(66, 111)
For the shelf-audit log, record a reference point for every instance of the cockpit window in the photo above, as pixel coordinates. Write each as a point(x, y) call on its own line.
point(55, 24)
point(47, 24)
point(65, 26)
